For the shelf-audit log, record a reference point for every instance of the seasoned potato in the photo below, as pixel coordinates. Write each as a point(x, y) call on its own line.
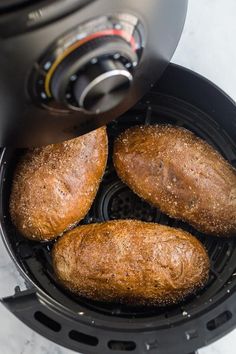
point(131, 262)
point(180, 174)
point(54, 186)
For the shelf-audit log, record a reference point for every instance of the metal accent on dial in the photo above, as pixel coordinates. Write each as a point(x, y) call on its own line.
point(100, 93)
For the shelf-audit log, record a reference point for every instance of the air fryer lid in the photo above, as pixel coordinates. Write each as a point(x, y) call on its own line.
point(64, 73)
point(182, 98)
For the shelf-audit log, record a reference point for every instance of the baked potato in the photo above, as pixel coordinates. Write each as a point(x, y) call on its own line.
point(130, 262)
point(54, 186)
point(180, 174)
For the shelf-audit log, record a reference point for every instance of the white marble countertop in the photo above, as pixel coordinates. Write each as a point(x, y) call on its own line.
point(208, 47)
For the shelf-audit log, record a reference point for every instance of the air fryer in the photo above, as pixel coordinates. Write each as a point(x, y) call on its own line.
point(179, 97)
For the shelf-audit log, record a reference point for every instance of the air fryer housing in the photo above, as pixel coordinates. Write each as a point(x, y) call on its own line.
point(182, 98)
point(59, 58)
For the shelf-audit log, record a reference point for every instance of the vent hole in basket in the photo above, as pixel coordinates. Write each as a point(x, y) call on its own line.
point(219, 320)
point(47, 321)
point(83, 338)
point(117, 201)
point(121, 345)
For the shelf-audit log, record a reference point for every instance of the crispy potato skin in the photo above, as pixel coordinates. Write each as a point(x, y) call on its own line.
point(131, 262)
point(180, 174)
point(54, 186)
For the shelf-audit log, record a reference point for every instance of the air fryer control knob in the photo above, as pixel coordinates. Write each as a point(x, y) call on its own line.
point(102, 86)
point(95, 77)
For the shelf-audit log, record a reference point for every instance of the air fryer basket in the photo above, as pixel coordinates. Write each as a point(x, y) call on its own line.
point(182, 98)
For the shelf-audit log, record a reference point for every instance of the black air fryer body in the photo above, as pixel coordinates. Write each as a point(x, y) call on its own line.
point(53, 87)
point(70, 66)
point(181, 98)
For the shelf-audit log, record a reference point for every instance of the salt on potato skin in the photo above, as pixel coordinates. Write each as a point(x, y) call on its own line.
point(54, 186)
point(180, 174)
point(130, 262)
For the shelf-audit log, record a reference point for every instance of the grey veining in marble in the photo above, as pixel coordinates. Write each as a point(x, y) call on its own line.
point(208, 47)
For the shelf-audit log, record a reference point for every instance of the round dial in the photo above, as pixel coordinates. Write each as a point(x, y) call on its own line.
point(103, 86)
point(91, 69)
point(96, 76)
